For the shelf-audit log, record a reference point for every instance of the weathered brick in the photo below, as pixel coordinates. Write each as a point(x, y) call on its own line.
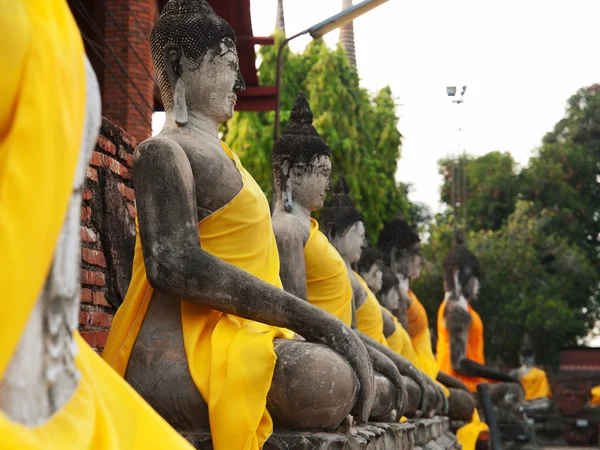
point(107, 145)
point(93, 278)
point(95, 319)
point(92, 174)
point(87, 194)
point(86, 295)
point(88, 235)
point(93, 257)
point(126, 156)
point(132, 211)
point(96, 339)
point(99, 299)
point(126, 192)
point(86, 213)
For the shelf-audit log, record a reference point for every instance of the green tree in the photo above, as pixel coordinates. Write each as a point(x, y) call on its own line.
point(564, 175)
point(533, 282)
point(360, 128)
point(492, 188)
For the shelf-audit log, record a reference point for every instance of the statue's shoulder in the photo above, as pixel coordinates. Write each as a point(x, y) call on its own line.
point(158, 143)
point(288, 228)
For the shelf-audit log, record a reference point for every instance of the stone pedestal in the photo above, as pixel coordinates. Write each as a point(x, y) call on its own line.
point(424, 434)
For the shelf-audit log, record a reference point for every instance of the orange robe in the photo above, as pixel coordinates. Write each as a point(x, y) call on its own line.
point(474, 347)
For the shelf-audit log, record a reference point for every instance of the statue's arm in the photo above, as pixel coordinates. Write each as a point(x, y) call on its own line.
point(458, 321)
point(389, 327)
point(290, 243)
point(451, 382)
point(388, 369)
point(178, 267)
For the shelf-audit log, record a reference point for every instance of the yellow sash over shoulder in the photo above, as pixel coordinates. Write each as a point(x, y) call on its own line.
point(536, 384)
point(418, 330)
point(328, 286)
point(368, 315)
point(231, 359)
point(41, 123)
point(400, 342)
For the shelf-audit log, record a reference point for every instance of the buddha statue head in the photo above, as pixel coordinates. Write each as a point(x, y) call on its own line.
point(527, 353)
point(196, 62)
point(402, 245)
point(462, 272)
point(343, 225)
point(389, 295)
point(370, 268)
point(301, 161)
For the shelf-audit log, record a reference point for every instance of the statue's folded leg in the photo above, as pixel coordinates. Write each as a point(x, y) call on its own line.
point(461, 404)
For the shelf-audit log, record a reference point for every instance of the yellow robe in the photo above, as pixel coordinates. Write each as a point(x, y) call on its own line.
point(418, 330)
point(400, 342)
point(41, 122)
point(368, 315)
point(328, 286)
point(536, 384)
point(231, 359)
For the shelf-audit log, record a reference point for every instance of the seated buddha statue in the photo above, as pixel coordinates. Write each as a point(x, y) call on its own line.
point(311, 268)
point(534, 380)
point(55, 391)
point(206, 334)
point(343, 225)
point(460, 346)
point(400, 244)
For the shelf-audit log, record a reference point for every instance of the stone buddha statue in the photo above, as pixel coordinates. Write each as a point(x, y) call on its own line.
point(533, 379)
point(311, 268)
point(206, 334)
point(342, 223)
point(460, 330)
point(55, 391)
point(401, 245)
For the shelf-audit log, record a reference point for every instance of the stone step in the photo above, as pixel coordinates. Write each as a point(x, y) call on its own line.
point(423, 434)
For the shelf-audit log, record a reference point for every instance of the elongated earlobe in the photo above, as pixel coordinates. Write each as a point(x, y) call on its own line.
point(179, 104)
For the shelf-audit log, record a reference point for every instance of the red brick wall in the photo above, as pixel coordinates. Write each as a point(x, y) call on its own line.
point(107, 233)
point(127, 25)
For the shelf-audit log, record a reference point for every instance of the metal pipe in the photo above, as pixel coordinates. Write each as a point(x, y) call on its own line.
point(317, 31)
point(485, 399)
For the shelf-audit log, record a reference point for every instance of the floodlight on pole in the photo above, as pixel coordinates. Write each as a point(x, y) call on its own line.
point(317, 31)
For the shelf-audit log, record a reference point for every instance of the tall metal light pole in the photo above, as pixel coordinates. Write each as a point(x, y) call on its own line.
point(458, 193)
point(317, 31)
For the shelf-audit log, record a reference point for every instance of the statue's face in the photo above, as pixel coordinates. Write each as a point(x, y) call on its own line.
point(472, 287)
point(211, 87)
point(407, 263)
point(391, 299)
point(350, 245)
point(311, 184)
point(374, 278)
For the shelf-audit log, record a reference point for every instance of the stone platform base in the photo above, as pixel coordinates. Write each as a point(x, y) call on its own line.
point(424, 434)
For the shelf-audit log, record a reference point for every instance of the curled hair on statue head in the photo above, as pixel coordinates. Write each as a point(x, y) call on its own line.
point(397, 234)
point(339, 213)
point(370, 255)
point(191, 28)
point(459, 266)
point(299, 145)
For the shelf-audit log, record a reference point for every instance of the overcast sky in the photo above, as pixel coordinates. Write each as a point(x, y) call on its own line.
point(521, 60)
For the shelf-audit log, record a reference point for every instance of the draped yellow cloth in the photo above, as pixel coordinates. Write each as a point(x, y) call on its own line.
point(328, 286)
point(368, 315)
point(536, 384)
point(468, 434)
point(231, 359)
point(41, 122)
point(400, 342)
point(418, 330)
point(595, 392)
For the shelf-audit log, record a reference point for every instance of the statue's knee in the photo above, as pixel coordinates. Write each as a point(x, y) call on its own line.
point(312, 387)
point(414, 396)
point(462, 405)
point(385, 400)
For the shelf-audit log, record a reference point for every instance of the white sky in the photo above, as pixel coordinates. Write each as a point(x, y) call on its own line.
point(521, 60)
